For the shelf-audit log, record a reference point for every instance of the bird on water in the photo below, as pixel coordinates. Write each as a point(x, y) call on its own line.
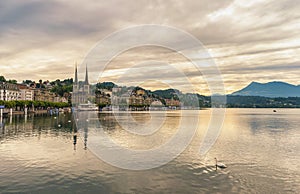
point(219, 165)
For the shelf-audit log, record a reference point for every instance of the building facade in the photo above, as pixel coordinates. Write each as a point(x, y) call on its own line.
point(41, 94)
point(102, 98)
point(26, 93)
point(9, 91)
point(81, 91)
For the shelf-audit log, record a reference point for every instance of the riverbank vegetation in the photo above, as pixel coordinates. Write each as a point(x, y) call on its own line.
point(19, 105)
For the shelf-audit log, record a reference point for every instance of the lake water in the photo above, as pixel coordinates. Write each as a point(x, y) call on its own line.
point(260, 147)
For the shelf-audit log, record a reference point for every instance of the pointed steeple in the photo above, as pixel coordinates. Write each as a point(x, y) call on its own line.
point(86, 81)
point(76, 76)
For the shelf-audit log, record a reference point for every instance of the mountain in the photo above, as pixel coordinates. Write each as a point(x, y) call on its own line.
point(168, 93)
point(271, 89)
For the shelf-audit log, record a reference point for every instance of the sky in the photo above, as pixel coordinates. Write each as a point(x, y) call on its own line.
point(248, 41)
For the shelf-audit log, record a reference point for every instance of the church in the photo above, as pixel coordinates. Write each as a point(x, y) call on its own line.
point(81, 90)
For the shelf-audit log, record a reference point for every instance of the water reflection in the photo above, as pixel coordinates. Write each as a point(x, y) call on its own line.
point(263, 120)
point(34, 125)
point(48, 154)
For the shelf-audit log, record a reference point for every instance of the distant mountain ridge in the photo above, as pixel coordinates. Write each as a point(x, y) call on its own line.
point(271, 89)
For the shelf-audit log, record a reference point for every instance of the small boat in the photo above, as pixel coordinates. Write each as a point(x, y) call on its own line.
point(87, 107)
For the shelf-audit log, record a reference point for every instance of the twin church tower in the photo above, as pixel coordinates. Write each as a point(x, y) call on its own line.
point(81, 90)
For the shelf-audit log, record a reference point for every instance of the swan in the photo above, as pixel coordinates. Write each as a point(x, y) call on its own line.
point(220, 165)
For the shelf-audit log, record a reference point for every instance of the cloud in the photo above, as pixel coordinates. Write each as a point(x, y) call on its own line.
point(43, 39)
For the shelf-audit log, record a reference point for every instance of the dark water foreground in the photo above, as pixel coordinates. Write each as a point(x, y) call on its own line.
point(261, 149)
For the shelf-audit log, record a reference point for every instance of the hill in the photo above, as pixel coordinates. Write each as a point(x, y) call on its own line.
point(271, 89)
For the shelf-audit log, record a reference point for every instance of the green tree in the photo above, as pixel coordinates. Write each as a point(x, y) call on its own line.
point(10, 104)
point(2, 78)
point(27, 81)
point(105, 85)
point(12, 81)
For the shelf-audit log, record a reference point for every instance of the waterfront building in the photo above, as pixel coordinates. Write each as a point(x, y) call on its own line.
point(9, 91)
point(103, 98)
point(81, 91)
point(157, 103)
point(41, 94)
point(26, 93)
point(172, 103)
point(60, 99)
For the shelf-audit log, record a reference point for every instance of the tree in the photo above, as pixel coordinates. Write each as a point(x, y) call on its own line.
point(41, 83)
point(106, 85)
point(61, 90)
point(2, 78)
point(12, 81)
point(10, 104)
point(27, 81)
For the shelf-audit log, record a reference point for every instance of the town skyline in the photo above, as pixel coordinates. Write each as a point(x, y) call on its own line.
point(146, 88)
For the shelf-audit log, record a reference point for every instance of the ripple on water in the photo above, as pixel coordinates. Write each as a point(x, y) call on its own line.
point(42, 159)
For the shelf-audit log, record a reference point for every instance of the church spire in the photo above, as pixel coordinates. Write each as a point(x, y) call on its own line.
point(76, 76)
point(86, 81)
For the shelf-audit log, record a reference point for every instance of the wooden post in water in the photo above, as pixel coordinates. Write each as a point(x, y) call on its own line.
point(25, 110)
point(1, 115)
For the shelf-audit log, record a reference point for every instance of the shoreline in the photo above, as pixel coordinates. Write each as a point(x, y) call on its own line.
point(7, 113)
point(14, 112)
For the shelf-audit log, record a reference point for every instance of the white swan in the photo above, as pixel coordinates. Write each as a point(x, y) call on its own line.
point(220, 165)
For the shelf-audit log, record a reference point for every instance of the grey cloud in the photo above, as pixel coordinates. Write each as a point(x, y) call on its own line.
point(266, 22)
point(238, 69)
point(76, 25)
point(256, 52)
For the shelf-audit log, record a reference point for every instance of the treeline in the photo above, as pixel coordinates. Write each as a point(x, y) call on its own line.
point(232, 101)
point(20, 105)
point(62, 88)
point(12, 81)
point(262, 102)
point(106, 85)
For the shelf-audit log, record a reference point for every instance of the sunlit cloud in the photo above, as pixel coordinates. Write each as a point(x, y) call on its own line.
point(248, 40)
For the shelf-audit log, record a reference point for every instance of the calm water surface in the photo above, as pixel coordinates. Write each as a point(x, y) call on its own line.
point(261, 149)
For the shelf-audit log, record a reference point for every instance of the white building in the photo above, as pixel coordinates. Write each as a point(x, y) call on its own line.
point(60, 99)
point(25, 93)
point(9, 91)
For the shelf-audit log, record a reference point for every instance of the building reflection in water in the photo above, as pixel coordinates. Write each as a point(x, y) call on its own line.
point(74, 129)
point(39, 124)
point(81, 124)
point(14, 126)
point(2, 127)
point(75, 140)
point(85, 137)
